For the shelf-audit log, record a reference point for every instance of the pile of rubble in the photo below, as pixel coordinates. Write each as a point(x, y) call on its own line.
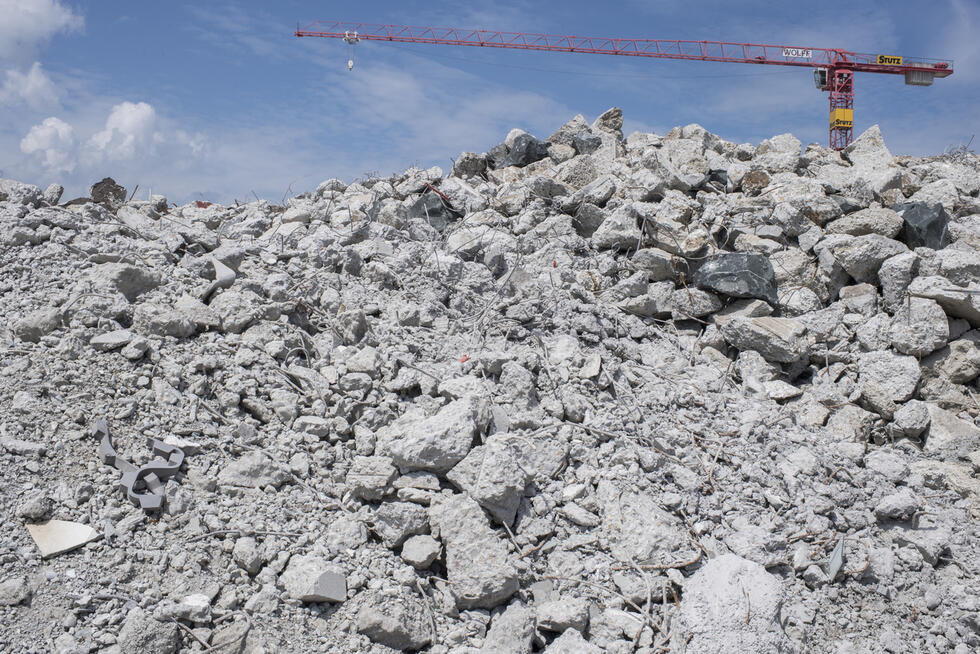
point(589, 394)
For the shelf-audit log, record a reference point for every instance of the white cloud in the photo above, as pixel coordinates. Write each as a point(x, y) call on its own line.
point(26, 24)
point(54, 142)
point(129, 128)
point(197, 142)
point(33, 88)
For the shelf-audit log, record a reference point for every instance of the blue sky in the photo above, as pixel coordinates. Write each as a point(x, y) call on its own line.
point(220, 101)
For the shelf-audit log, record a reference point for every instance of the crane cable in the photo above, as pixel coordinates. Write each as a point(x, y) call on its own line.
point(351, 39)
point(582, 72)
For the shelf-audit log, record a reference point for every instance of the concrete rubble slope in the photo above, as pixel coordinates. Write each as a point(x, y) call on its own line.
point(583, 393)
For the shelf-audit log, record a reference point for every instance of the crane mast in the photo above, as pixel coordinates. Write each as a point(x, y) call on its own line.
point(834, 68)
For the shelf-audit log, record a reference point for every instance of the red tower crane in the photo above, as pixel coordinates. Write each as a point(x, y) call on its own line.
point(834, 68)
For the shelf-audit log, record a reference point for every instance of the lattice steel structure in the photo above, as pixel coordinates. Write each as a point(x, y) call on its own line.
point(834, 72)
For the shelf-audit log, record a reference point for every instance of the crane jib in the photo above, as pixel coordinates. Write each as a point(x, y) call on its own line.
point(833, 68)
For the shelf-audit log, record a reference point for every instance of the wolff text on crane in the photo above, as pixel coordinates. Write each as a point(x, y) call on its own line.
point(798, 53)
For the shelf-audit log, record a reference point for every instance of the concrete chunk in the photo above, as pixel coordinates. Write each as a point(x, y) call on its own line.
point(400, 622)
point(14, 591)
point(512, 630)
point(111, 340)
point(897, 374)
point(396, 521)
point(732, 605)
point(862, 256)
point(314, 579)
point(370, 477)
point(777, 339)
point(950, 435)
point(561, 614)
point(421, 551)
point(141, 634)
point(253, 470)
point(479, 568)
point(919, 327)
point(493, 475)
point(439, 442)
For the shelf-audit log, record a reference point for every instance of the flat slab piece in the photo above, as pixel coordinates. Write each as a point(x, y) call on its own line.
point(59, 536)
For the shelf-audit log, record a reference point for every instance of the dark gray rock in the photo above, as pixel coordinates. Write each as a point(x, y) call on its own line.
point(526, 150)
point(107, 193)
point(741, 274)
point(469, 164)
point(432, 209)
point(497, 155)
point(585, 143)
point(926, 225)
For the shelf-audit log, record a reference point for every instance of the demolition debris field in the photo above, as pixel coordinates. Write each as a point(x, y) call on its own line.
point(662, 393)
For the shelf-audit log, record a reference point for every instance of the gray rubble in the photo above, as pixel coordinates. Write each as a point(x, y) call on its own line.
point(583, 393)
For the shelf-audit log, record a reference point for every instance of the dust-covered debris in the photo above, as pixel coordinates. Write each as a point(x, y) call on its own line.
point(664, 393)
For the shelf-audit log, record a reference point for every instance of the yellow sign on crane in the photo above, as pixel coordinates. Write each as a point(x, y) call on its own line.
point(841, 118)
point(890, 60)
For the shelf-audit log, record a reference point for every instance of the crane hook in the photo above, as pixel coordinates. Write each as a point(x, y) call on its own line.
point(351, 39)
